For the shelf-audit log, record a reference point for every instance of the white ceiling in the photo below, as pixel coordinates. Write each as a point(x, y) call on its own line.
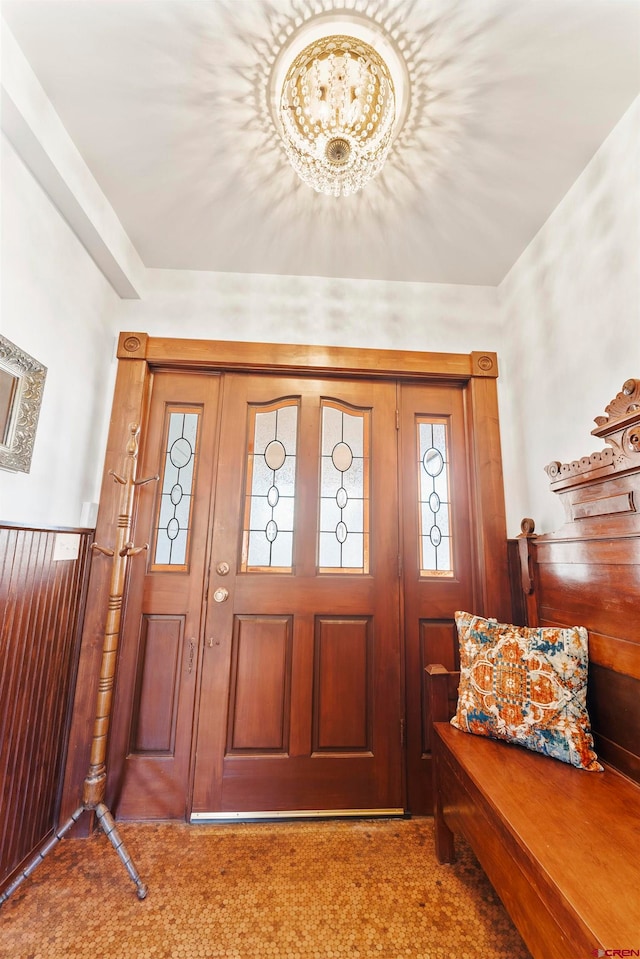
point(166, 103)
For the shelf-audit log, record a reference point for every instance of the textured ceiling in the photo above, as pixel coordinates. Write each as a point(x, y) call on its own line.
point(166, 101)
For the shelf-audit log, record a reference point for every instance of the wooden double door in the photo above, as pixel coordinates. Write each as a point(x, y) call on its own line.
point(309, 542)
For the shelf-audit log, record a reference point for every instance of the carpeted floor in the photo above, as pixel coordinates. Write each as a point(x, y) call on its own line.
point(295, 890)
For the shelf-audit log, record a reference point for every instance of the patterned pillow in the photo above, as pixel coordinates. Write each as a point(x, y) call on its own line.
point(526, 685)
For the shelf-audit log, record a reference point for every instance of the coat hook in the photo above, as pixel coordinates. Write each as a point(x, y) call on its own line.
point(143, 482)
point(130, 550)
point(102, 549)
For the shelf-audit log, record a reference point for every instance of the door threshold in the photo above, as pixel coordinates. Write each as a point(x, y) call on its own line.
point(271, 814)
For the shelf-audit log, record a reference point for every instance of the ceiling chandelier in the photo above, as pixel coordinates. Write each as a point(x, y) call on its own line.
point(337, 113)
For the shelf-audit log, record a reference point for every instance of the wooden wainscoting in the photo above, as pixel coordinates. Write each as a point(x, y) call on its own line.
point(42, 594)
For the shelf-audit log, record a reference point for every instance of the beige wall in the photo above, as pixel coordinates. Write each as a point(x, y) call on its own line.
point(571, 314)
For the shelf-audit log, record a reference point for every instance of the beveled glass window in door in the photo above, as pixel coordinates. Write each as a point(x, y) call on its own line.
point(267, 541)
point(344, 489)
point(173, 518)
point(434, 502)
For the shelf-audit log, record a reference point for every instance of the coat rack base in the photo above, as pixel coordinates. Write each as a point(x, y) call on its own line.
point(108, 826)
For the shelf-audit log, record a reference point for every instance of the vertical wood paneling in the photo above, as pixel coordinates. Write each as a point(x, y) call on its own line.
point(158, 685)
point(41, 600)
point(260, 685)
point(342, 692)
point(490, 525)
point(594, 581)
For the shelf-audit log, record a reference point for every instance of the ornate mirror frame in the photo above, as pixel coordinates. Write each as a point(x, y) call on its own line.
point(21, 388)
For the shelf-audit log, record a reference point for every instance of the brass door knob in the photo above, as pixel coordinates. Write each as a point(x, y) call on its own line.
point(221, 594)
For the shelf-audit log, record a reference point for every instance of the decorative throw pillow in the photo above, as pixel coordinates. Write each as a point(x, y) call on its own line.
point(526, 685)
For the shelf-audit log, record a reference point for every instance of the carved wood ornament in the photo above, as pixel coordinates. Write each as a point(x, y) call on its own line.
point(620, 428)
point(597, 488)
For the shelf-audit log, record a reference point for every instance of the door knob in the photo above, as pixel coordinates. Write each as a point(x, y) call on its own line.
point(221, 594)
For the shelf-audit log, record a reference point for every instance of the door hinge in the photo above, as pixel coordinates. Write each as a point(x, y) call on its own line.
point(402, 733)
point(399, 565)
point(397, 419)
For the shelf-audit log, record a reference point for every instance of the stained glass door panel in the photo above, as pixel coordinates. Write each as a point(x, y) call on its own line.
point(345, 444)
point(171, 538)
point(435, 542)
point(270, 480)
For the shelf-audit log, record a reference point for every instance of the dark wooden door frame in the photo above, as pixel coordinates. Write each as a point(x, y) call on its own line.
point(140, 354)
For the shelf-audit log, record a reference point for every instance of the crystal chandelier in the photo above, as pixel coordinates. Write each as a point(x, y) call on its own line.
point(337, 112)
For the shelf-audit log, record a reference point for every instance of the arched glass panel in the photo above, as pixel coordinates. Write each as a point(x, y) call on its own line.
point(267, 542)
point(173, 519)
point(344, 489)
point(434, 503)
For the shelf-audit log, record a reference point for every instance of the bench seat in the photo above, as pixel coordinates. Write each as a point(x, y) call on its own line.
point(561, 846)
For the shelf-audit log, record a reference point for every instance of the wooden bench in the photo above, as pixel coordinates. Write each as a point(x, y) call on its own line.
point(561, 845)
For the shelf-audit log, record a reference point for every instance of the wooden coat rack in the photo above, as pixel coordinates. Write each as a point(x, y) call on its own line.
point(94, 786)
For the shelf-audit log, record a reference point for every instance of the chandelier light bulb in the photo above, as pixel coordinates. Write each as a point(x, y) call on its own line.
point(337, 113)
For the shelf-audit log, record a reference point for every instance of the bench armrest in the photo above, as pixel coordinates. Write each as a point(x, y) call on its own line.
point(442, 693)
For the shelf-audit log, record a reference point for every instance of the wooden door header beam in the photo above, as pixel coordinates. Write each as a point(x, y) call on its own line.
point(291, 358)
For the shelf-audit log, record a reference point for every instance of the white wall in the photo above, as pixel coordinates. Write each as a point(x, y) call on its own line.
point(571, 311)
point(313, 310)
point(58, 307)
